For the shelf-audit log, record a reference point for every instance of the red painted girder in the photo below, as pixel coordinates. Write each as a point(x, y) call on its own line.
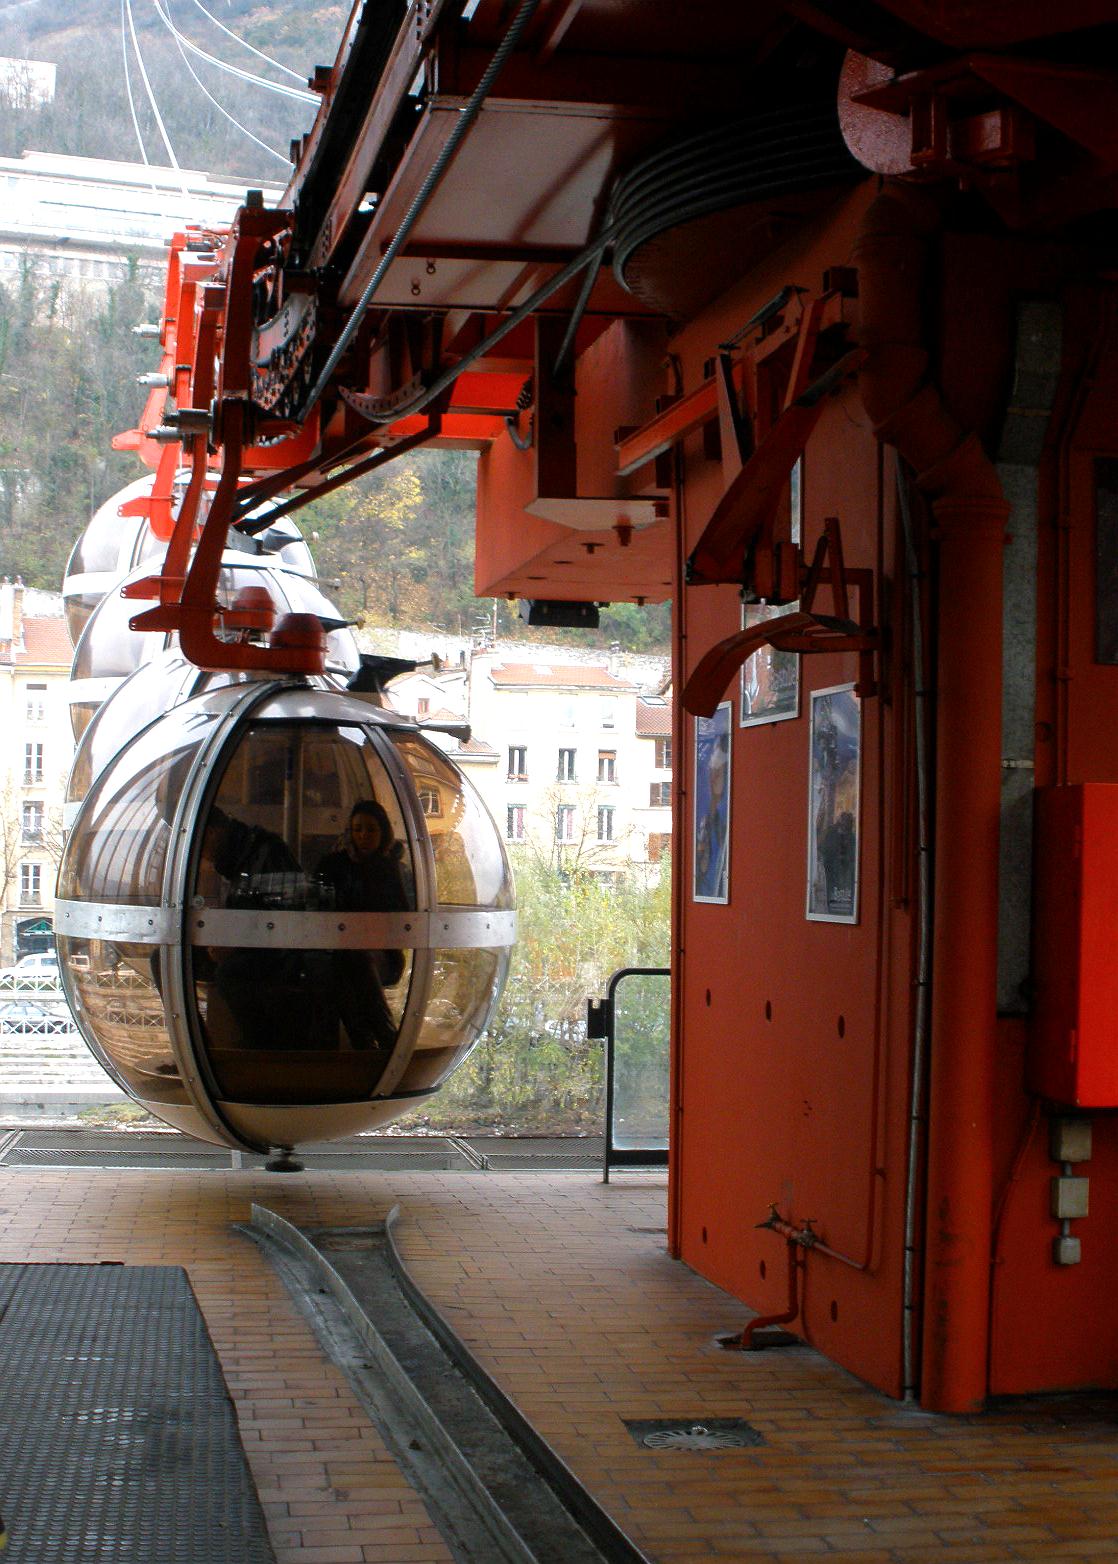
point(752, 496)
point(457, 428)
point(670, 87)
point(482, 391)
point(681, 418)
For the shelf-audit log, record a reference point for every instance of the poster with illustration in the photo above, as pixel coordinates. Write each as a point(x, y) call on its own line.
point(770, 680)
point(832, 827)
point(711, 856)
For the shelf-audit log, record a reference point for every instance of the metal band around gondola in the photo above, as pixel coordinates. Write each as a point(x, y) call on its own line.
point(446, 928)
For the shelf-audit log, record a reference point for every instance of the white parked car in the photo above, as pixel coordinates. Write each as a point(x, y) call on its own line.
point(35, 971)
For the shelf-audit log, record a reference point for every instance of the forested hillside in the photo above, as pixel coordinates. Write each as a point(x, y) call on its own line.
point(91, 41)
point(400, 543)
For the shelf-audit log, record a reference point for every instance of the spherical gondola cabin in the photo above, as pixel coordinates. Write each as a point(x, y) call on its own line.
point(109, 651)
point(113, 545)
point(283, 915)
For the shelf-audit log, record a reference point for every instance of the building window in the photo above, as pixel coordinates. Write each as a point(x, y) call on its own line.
point(32, 822)
point(664, 754)
point(429, 800)
point(36, 702)
point(607, 765)
point(423, 706)
point(565, 823)
point(605, 822)
point(660, 795)
point(566, 772)
point(32, 764)
point(30, 884)
point(567, 715)
point(609, 714)
point(514, 830)
point(518, 763)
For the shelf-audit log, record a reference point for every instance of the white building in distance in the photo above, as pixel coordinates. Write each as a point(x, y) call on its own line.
point(87, 220)
point(573, 758)
point(38, 747)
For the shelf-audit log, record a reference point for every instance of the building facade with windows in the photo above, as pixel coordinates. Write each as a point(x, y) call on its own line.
point(35, 657)
point(572, 757)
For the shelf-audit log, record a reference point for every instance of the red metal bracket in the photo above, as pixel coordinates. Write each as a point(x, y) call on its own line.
point(193, 614)
point(744, 514)
point(803, 631)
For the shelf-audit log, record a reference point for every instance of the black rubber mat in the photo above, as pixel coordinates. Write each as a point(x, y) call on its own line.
point(118, 1437)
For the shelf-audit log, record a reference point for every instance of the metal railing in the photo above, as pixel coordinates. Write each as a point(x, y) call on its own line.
point(633, 1019)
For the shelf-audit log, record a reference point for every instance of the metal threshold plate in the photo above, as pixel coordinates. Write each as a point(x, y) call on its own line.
point(120, 1441)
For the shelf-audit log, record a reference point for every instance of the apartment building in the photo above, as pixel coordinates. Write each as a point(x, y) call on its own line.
point(35, 657)
point(573, 758)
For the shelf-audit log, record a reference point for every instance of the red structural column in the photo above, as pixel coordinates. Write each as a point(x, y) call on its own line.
point(970, 529)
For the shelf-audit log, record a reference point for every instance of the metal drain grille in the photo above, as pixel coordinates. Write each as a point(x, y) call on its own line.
point(119, 1438)
point(63, 1148)
point(696, 1434)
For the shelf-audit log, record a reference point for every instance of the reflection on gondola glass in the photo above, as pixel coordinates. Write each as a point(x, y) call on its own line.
point(471, 869)
point(115, 997)
point(832, 869)
point(465, 986)
point(120, 855)
point(282, 835)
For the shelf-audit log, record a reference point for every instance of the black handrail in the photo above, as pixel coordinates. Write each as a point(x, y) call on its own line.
point(599, 1024)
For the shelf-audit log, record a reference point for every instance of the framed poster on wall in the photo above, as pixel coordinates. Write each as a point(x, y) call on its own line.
point(833, 805)
point(711, 837)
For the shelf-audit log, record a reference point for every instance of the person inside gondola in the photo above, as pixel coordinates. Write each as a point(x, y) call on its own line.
point(259, 998)
point(368, 874)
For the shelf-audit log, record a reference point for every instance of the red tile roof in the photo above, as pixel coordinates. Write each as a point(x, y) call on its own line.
point(45, 641)
point(556, 676)
point(654, 719)
point(477, 748)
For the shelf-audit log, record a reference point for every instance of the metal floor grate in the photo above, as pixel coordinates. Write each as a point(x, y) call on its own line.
point(62, 1148)
point(120, 1442)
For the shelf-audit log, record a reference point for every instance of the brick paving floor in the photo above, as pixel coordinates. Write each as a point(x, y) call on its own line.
point(562, 1287)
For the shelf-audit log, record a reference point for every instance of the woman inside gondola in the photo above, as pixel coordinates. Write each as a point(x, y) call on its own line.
point(368, 874)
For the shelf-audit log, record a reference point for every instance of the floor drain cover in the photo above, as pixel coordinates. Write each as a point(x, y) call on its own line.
point(711, 1433)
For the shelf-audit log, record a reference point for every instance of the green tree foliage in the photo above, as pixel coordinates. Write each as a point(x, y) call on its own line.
point(399, 542)
point(535, 1069)
point(67, 385)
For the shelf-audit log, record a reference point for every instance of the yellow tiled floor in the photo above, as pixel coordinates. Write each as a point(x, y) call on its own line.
point(562, 1287)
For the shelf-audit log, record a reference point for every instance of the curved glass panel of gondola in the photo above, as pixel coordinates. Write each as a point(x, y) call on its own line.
point(153, 689)
point(116, 859)
point(110, 546)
